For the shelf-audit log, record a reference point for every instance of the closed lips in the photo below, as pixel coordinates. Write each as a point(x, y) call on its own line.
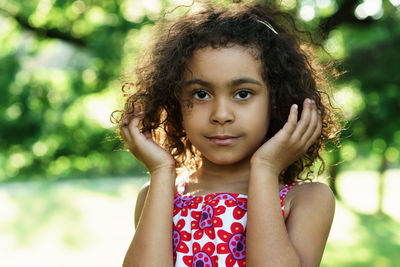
point(223, 139)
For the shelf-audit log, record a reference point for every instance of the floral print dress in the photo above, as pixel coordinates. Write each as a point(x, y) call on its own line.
point(210, 230)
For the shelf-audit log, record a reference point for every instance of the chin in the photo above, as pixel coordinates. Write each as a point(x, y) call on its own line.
point(226, 160)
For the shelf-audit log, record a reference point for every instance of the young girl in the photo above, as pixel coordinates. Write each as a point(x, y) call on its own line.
point(228, 115)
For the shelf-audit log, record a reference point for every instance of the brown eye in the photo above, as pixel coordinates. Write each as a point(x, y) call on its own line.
point(200, 94)
point(243, 94)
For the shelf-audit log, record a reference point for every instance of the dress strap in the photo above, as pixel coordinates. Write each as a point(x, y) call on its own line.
point(181, 184)
point(284, 191)
point(286, 188)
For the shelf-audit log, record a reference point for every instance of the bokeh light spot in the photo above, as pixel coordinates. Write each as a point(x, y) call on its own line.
point(13, 112)
point(323, 3)
point(39, 149)
point(82, 163)
point(78, 7)
point(378, 145)
point(60, 165)
point(392, 154)
point(96, 15)
point(307, 12)
point(368, 8)
point(89, 76)
point(17, 160)
point(395, 2)
point(350, 100)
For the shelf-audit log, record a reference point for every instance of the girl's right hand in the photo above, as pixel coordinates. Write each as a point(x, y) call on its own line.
point(142, 145)
point(293, 140)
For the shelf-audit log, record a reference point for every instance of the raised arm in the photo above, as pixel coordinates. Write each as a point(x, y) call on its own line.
point(152, 242)
point(301, 241)
point(298, 242)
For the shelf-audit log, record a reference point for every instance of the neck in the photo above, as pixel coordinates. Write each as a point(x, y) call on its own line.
point(216, 173)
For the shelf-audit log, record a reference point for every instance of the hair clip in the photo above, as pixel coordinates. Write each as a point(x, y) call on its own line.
point(268, 25)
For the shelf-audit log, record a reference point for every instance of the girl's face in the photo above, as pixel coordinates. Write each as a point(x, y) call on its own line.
point(228, 117)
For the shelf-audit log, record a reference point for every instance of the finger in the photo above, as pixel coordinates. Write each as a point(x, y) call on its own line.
point(133, 125)
point(123, 124)
point(291, 123)
point(127, 117)
point(129, 126)
point(311, 126)
point(317, 132)
point(304, 120)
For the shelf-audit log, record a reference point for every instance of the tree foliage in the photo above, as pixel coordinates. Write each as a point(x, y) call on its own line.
point(61, 61)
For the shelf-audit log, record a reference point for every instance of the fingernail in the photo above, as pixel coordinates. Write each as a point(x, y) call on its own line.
point(295, 106)
point(309, 101)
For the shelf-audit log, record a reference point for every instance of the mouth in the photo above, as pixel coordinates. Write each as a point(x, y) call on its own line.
point(223, 140)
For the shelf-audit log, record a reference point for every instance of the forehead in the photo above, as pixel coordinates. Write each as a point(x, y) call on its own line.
point(224, 62)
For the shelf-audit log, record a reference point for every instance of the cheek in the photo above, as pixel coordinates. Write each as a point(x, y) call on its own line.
point(258, 122)
point(185, 115)
point(189, 124)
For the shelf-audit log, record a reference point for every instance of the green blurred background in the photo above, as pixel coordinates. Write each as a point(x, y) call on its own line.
point(67, 188)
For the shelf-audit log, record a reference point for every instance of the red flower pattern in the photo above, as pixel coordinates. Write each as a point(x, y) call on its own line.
point(179, 237)
point(206, 220)
point(182, 204)
point(217, 228)
point(233, 200)
point(202, 256)
point(234, 244)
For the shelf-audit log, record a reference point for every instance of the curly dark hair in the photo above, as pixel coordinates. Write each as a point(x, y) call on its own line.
point(289, 70)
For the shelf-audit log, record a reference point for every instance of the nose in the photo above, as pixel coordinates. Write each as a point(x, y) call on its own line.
point(222, 112)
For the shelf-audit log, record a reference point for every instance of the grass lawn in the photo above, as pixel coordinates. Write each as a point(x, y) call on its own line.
point(90, 222)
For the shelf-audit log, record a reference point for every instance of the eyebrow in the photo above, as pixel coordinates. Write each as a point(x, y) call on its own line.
point(232, 83)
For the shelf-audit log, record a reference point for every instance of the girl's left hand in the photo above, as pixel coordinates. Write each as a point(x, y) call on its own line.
point(292, 141)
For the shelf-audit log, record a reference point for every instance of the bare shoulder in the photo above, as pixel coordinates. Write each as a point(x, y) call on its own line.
point(310, 219)
point(141, 197)
point(312, 191)
point(311, 199)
